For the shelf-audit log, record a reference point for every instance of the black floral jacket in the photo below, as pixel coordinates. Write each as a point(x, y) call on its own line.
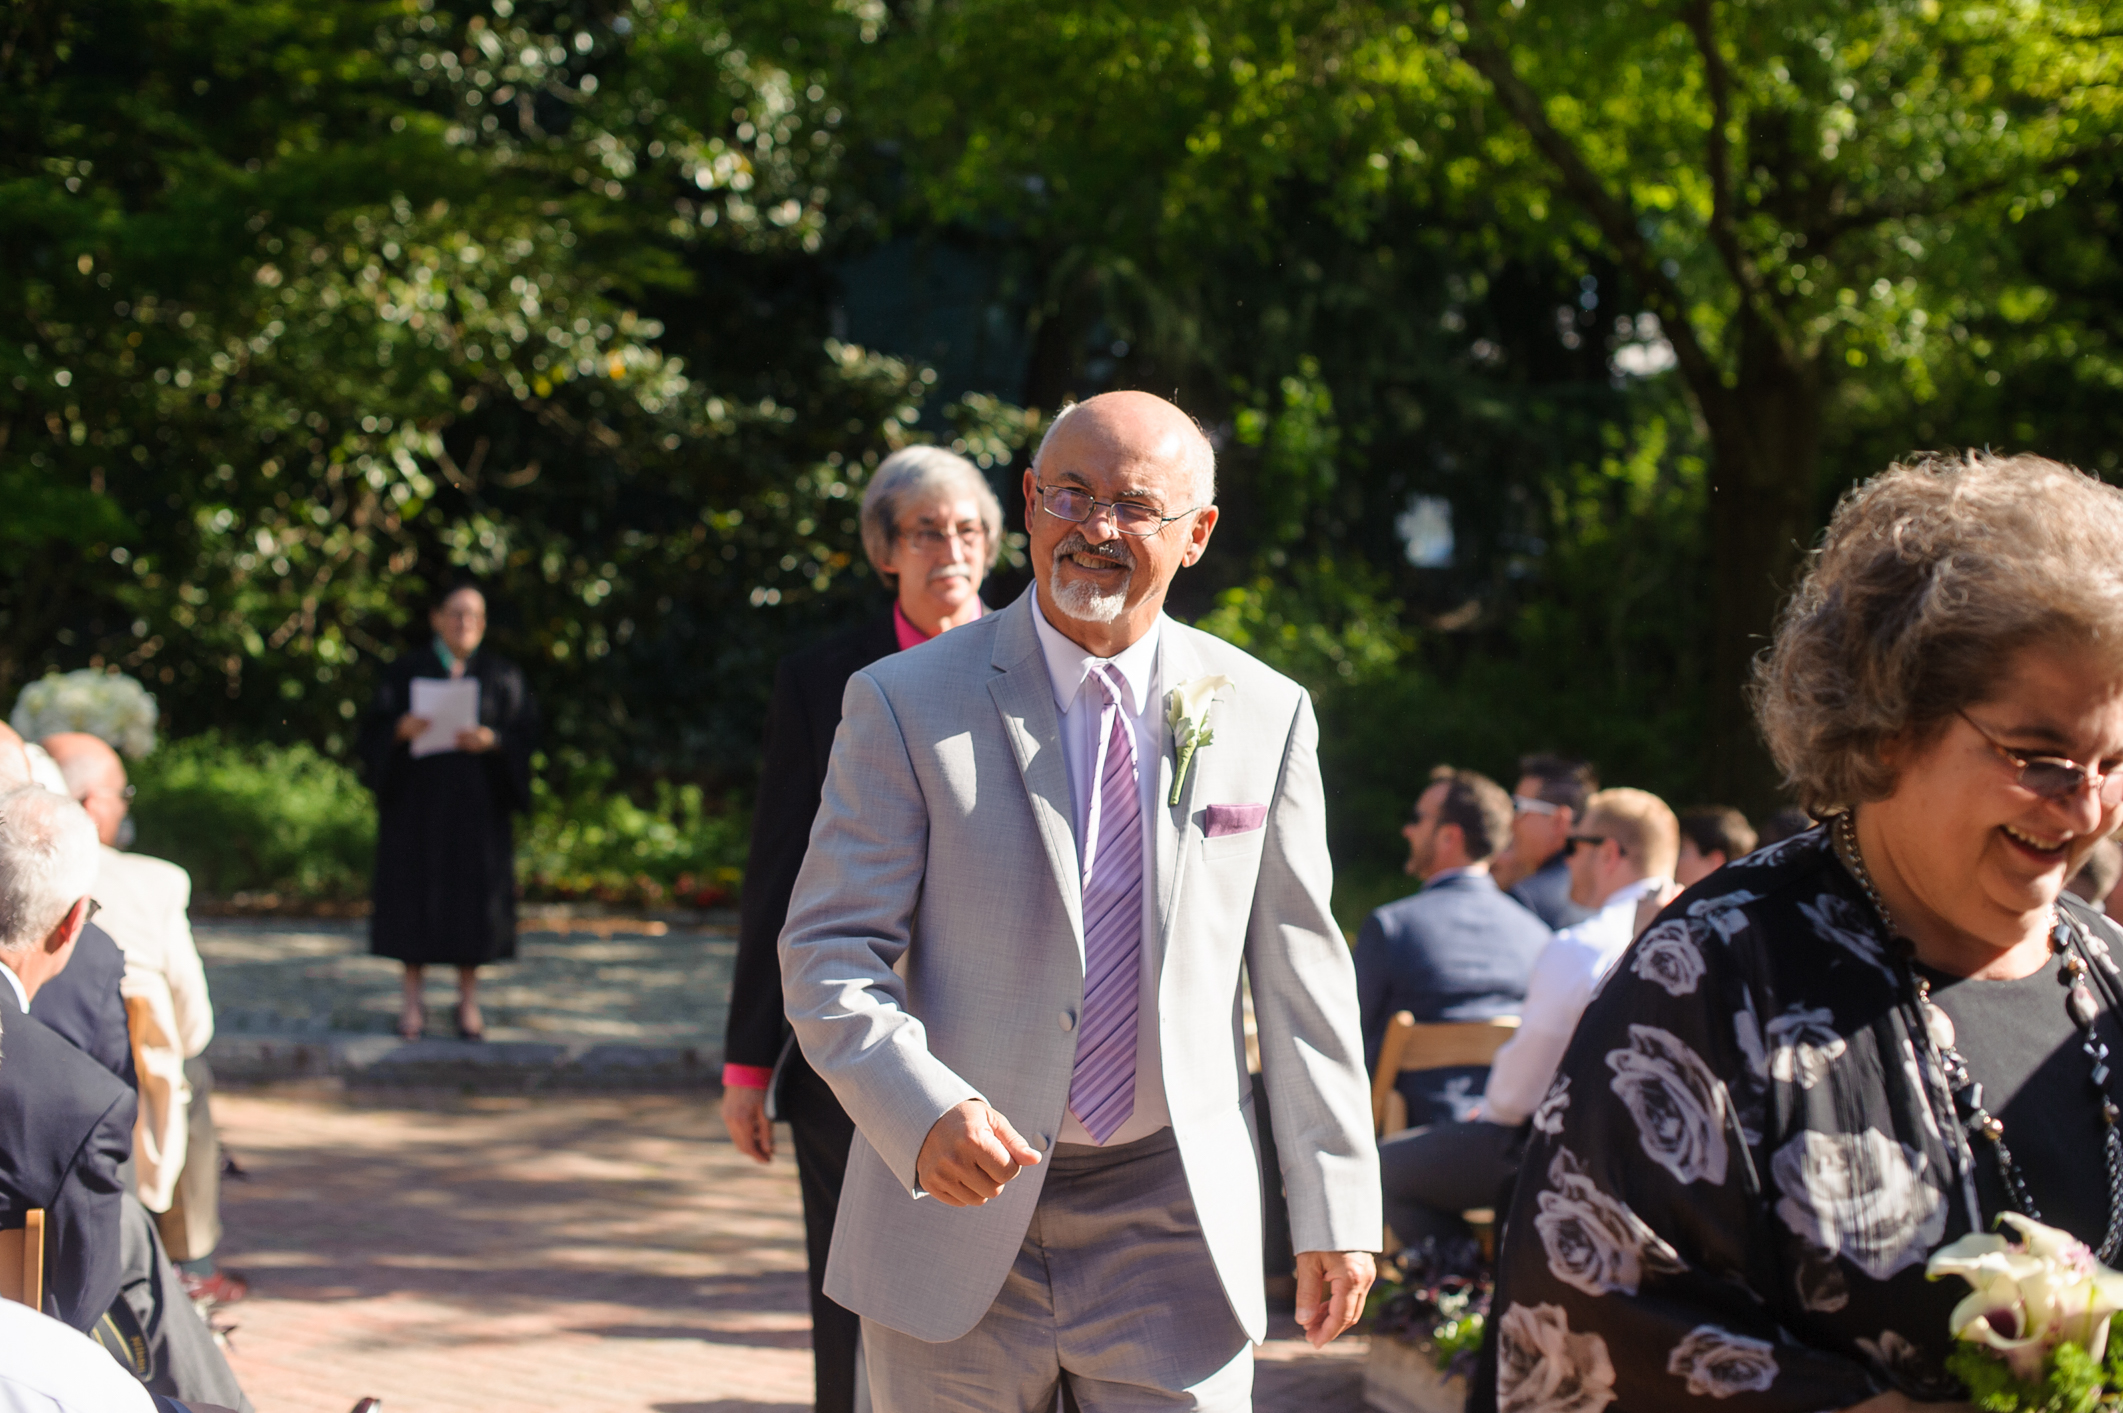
point(1746, 1158)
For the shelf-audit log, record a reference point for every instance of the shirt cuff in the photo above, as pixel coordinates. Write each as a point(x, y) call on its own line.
point(747, 1076)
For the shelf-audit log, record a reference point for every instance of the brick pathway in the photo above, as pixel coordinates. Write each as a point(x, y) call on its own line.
point(452, 1252)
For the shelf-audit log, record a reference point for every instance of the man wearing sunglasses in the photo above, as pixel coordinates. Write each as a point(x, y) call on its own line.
point(1547, 806)
point(1014, 952)
point(1625, 848)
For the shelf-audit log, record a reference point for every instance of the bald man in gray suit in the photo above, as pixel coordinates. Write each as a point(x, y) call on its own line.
point(1015, 950)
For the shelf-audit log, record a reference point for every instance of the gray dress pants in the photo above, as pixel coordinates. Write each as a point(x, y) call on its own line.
point(1113, 1295)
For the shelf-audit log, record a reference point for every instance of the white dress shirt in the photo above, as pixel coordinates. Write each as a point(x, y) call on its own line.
point(7, 974)
point(1564, 976)
point(1068, 665)
point(54, 1368)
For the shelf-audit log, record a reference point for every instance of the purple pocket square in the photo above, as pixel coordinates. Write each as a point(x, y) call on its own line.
point(1219, 820)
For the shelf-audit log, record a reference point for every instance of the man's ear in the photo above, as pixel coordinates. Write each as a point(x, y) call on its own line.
point(68, 929)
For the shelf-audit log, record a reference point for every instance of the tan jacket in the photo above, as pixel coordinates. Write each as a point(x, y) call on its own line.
point(144, 902)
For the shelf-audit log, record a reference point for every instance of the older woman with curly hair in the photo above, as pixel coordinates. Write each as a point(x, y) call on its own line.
point(1833, 1056)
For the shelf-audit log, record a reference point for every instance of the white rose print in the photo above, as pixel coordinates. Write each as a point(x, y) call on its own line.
point(1678, 1104)
point(1668, 956)
point(1862, 1196)
point(1720, 1363)
point(1802, 1045)
point(1543, 1367)
point(1593, 1241)
point(1726, 913)
point(1841, 922)
point(1548, 1118)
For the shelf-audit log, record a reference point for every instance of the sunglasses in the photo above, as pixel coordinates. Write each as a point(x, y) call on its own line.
point(2054, 777)
point(1570, 844)
point(1526, 804)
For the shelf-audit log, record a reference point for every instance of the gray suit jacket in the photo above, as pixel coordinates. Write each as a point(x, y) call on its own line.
point(935, 944)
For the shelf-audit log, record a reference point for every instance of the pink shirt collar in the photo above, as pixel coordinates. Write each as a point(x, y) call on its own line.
point(911, 636)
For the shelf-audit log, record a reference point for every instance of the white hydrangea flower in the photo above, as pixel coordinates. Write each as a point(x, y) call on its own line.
point(108, 705)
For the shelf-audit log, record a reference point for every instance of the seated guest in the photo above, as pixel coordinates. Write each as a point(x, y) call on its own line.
point(144, 909)
point(1625, 849)
point(1549, 803)
point(1457, 951)
point(2099, 874)
point(66, 1123)
point(82, 1002)
point(1711, 837)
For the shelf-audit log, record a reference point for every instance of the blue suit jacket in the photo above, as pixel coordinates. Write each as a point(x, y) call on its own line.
point(1459, 950)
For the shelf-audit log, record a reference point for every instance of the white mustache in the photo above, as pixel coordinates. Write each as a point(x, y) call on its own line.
point(950, 571)
point(1112, 551)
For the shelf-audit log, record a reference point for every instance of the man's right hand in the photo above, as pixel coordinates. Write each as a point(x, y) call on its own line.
point(410, 726)
point(970, 1153)
point(744, 1114)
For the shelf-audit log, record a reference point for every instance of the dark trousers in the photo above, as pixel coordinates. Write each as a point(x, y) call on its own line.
point(1431, 1175)
point(187, 1364)
point(822, 1131)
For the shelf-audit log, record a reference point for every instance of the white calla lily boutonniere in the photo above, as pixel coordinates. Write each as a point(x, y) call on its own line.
point(1188, 715)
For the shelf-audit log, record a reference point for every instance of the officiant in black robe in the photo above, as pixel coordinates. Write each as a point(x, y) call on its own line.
point(445, 888)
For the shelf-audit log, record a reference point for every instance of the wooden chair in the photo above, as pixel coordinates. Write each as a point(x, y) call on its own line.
point(1417, 1045)
point(22, 1262)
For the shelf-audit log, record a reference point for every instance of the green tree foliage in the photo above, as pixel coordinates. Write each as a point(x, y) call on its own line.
point(312, 307)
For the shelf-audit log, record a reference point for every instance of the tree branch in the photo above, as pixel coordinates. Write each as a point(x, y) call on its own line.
point(1610, 212)
point(1717, 157)
point(1857, 218)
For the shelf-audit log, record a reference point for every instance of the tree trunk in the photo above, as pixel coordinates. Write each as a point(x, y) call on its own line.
point(1765, 438)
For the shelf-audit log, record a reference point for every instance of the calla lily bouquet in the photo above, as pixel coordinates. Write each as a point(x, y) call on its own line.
point(2034, 1327)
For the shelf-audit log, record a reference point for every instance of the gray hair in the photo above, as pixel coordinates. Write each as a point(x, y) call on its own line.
point(922, 470)
point(1204, 456)
point(48, 863)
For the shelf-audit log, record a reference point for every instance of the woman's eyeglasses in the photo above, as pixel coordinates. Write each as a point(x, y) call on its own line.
point(2054, 777)
point(1129, 518)
point(929, 541)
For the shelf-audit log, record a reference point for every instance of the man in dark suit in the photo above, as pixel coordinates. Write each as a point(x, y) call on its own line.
point(84, 1006)
point(931, 527)
point(66, 1122)
point(1459, 950)
point(1548, 804)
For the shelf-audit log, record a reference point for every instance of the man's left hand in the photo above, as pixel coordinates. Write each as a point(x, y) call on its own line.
point(1331, 1286)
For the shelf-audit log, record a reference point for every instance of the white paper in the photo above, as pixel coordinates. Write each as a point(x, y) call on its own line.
point(448, 705)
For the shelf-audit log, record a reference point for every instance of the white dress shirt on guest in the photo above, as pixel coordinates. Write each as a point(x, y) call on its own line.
point(54, 1368)
point(144, 909)
point(1080, 707)
point(1561, 986)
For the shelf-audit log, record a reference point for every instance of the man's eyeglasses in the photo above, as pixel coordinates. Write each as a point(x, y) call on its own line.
point(1129, 517)
point(1570, 845)
point(929, 541)
point(1527, 804)
point(2054, 777)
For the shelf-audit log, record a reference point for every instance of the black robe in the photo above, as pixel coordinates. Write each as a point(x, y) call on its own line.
point(445, 890)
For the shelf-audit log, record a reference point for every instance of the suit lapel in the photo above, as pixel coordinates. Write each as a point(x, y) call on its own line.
point(1177, 662)
point(1024, 696)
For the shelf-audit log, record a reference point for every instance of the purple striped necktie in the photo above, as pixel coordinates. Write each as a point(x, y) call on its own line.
point(1102, 1087)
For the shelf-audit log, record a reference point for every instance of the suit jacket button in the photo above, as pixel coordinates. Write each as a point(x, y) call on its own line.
point(1068, 1021)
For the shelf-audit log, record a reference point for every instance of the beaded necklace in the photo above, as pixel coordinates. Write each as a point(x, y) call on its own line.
point(2079, 1005)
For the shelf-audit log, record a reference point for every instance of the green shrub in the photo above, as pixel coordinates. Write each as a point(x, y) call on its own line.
point(586, 840)
point(256, 819)
point(292, 822)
